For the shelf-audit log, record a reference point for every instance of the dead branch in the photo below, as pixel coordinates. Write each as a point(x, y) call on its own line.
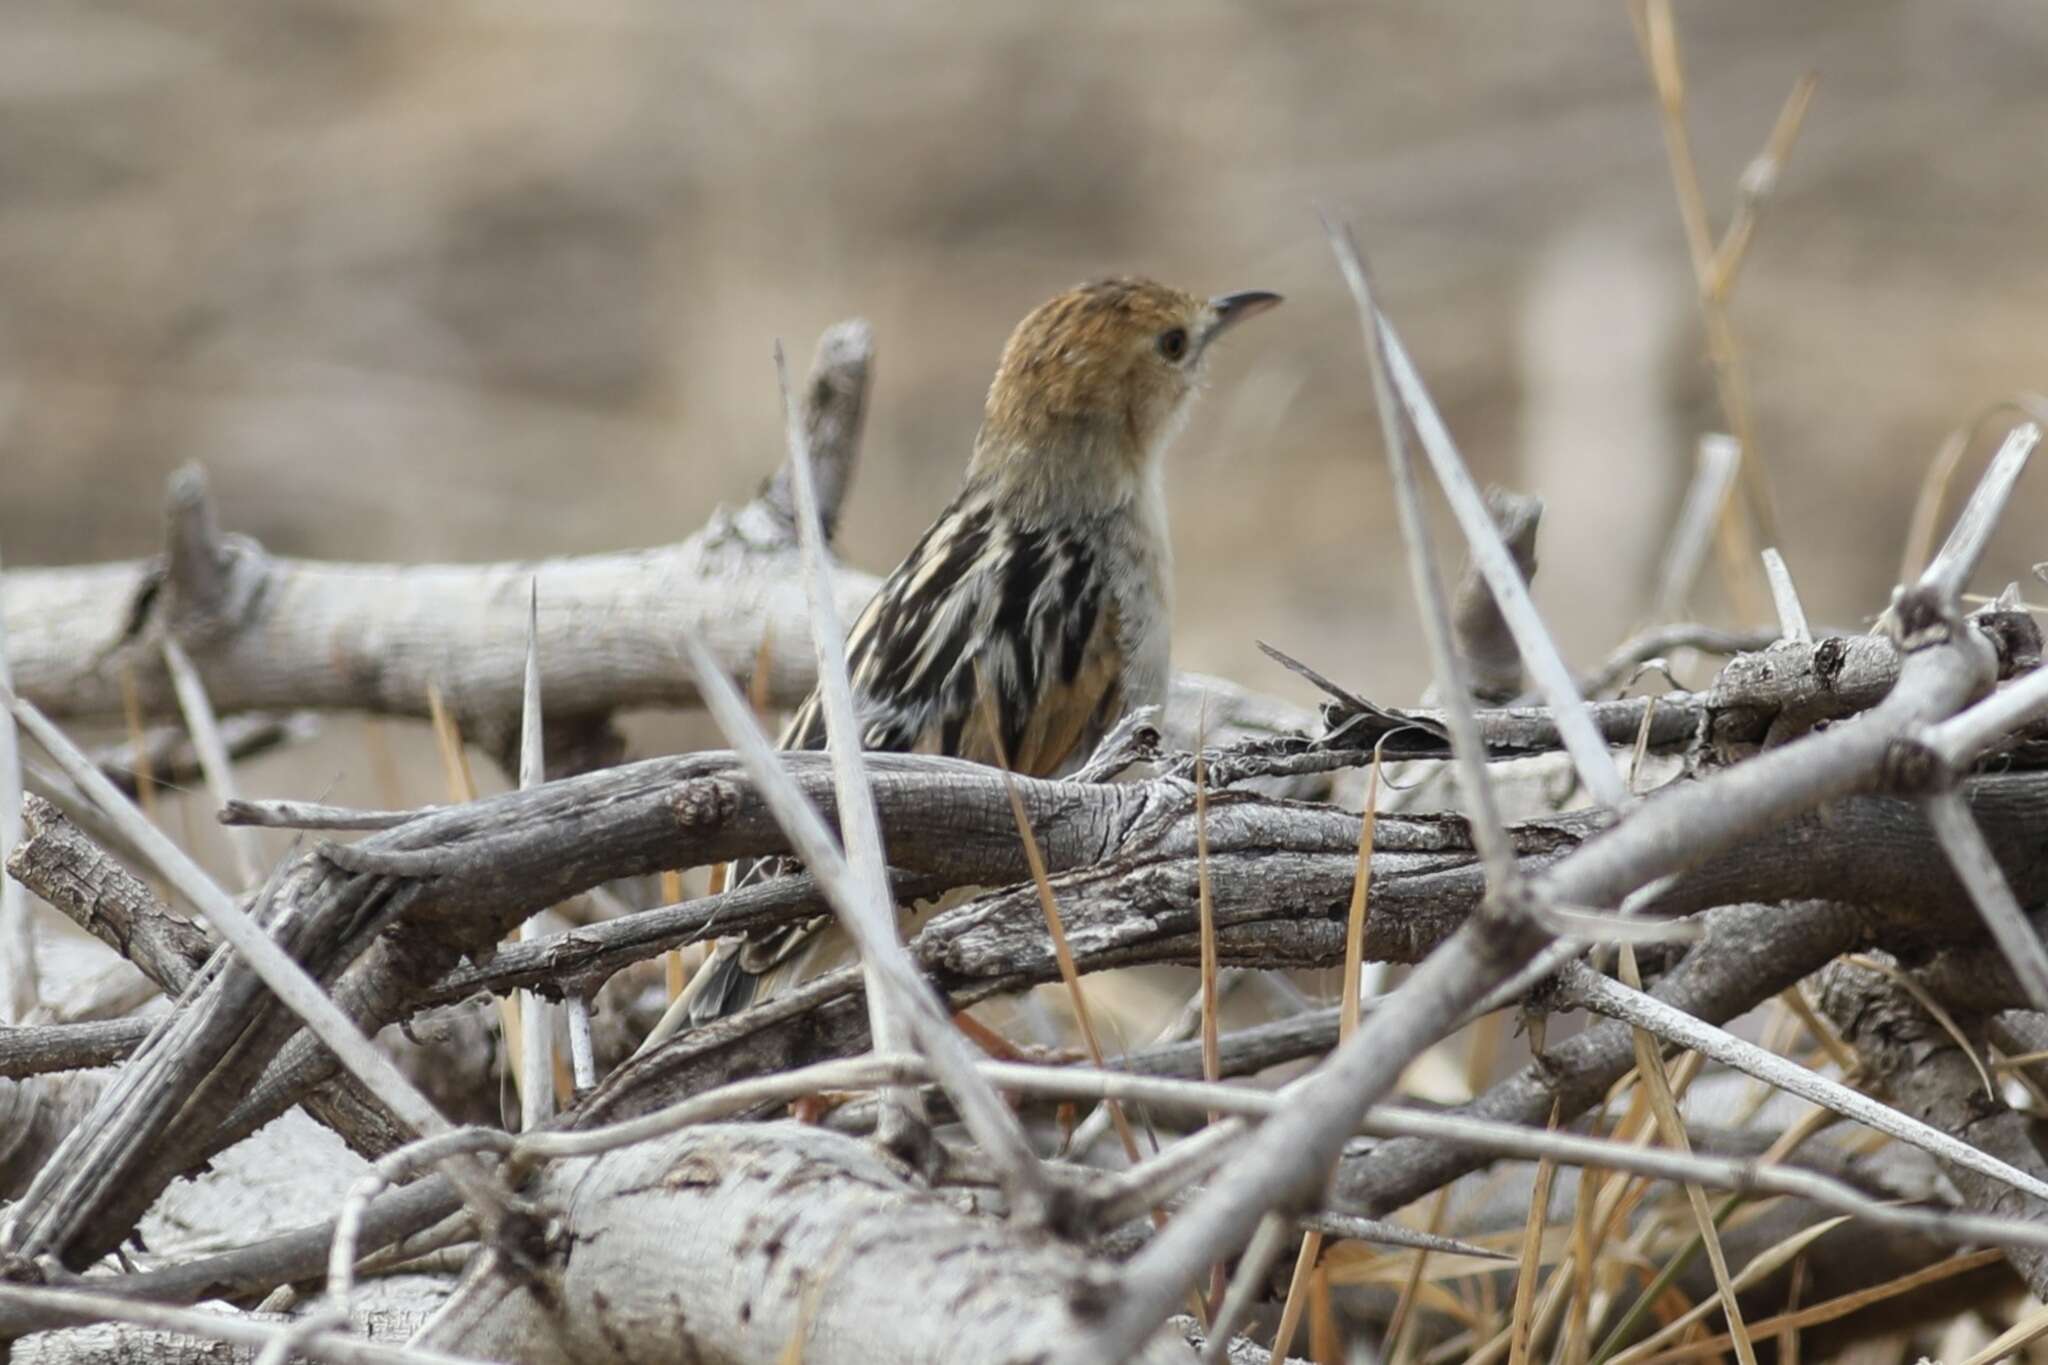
point(801, 1240)
point(1923, 1070)
point(270, 633)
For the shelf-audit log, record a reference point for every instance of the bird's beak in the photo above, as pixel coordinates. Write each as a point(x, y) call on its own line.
point(1227, 310)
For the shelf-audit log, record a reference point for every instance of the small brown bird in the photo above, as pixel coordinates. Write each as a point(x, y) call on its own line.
point(1048, 580)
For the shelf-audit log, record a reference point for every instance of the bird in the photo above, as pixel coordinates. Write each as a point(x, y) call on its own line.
point(1042, 592)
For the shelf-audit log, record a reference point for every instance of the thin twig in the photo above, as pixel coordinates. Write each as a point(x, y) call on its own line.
point(299, 992)
point(871, 924)
point(20, 989)
point(213, 756)
point(1496, 851)
point(1246, 1285)
point(1791, 615)
point(1490, 554)
point(1969, 853)
point(1964, 739)
point(79, 1307)
point(1522, 1143)
point(1714, 472)
point(536, 1022)
point(1759, 178)
point(315, 815)
point(1607, 996)
point(1639, 650)
point(860, 829)
point(1347, 1024)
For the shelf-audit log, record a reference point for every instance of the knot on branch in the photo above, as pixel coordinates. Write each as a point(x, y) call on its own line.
point(705, 803)
point(1912, 767)
point(1921, 616)
point(1829, 655)
point(2014, 635)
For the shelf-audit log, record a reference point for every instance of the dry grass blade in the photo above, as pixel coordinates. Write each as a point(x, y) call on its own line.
point(1941, 472)
point(1205, 903)
point(2025, 1332)
point(673, 976)
point(454, 755)
point(131, 715)
point(1948, 573)
point(1055, 925)
point(1759, 178)
point(1246, 1285)
point(1657, 1084)
point(1347, 1023)
point(1291, 1309)
point(1788, 1336)
point(1765, 1262)
point(1659, 37)
point(1578, 1326)
point(1401, 1324)
point(1834, 1308)
point(1635, 760)
point(1532, 1251)
point(1838, 1052)
point(1205, 914)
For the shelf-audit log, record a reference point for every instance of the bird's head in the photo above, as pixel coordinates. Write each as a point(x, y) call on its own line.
point(1095, 382)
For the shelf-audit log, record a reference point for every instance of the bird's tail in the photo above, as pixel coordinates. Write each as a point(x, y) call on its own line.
point(741, 972)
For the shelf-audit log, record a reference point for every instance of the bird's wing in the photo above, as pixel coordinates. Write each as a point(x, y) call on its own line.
point(1024, 612)
point(982, 603)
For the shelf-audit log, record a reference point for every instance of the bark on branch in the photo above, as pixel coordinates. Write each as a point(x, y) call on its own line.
point(801, 1241)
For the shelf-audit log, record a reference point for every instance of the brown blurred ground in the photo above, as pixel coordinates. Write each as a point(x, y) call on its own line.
point(483, 280)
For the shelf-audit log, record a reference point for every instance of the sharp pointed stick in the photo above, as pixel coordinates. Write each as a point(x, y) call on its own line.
point(859, 827)
point(1490, 554)
point(536, 1022)
point(213, 757)
point(299, 992)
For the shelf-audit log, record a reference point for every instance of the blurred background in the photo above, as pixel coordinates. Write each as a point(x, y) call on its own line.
point(495, 280)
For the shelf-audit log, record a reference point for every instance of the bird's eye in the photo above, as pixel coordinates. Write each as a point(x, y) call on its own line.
point(1173, 342)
